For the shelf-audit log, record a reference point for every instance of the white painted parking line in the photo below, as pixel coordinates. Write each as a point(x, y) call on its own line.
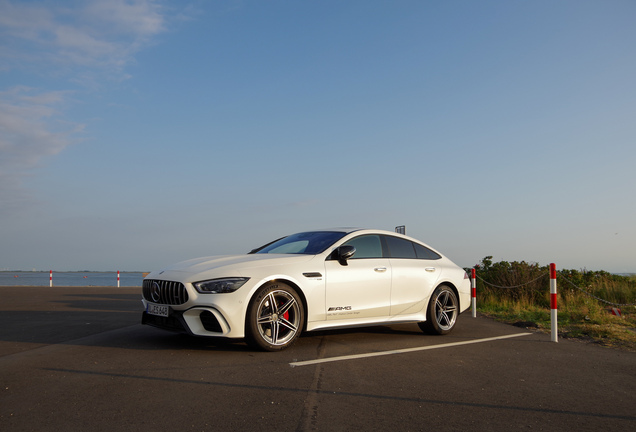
point(402, 351)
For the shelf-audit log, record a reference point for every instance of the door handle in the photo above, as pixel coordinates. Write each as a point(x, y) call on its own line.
point(380, 269)
point(430, 269)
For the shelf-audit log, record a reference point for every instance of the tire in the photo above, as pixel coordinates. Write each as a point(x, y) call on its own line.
point(442, 312)
point(275, 317)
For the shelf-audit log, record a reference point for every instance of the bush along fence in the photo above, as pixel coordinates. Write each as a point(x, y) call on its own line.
point(526, 283)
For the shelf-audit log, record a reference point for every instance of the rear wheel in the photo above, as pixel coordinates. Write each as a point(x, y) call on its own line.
point(442, 312)
point(274, 318)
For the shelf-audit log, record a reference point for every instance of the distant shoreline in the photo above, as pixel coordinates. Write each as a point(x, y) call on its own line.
point(69, 286)
point(71, 271)
point(73, 278)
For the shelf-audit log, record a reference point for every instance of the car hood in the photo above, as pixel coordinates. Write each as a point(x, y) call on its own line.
point(228, 265)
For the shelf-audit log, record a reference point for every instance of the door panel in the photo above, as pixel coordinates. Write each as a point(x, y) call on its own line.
point(413, 282)
point(361, 289)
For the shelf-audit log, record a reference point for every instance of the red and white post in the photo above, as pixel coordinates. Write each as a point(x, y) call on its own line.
point(473, 292)
point(50, 278)
point(117, 278)
point(553, 302)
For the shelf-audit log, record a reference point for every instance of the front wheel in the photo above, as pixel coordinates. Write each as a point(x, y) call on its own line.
point(442, 312)
point(274, 318)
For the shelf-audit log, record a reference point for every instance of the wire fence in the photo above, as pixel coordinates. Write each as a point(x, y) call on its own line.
point(562, 277)
point(514, 286)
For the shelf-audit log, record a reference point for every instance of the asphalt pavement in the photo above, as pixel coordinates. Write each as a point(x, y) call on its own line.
point(77, 358)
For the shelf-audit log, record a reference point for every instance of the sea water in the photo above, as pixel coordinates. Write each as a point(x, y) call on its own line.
point(24, 278)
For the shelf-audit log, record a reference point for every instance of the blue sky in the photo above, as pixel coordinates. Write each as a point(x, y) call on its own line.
point(138, 133)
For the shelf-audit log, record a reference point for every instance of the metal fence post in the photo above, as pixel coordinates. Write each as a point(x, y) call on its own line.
point(473, 292)
point(553, 302)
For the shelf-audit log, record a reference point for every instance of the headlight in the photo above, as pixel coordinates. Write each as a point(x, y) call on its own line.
point(219, 286)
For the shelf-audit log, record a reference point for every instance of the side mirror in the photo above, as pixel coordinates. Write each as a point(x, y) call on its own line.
point(343, 253)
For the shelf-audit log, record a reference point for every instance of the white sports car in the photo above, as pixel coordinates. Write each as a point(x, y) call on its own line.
point(309, 281)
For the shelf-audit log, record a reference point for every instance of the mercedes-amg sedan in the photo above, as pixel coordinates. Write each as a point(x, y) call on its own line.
point(309, 281)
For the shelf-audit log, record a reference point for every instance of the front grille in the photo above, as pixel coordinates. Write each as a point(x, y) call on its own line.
point(164, 292)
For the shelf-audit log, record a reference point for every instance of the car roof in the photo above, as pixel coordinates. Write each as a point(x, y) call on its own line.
point(349, 230)
point(336, 229)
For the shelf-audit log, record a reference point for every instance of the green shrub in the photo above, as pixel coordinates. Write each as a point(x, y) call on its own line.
point(529, 283)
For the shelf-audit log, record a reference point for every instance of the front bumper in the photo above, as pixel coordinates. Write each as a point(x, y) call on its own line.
point(173, 322)
point(196, 321)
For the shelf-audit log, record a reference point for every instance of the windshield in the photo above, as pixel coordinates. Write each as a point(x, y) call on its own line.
point(309, 243)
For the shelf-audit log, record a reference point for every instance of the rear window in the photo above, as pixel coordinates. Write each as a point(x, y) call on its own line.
point(425, 253)
point(400, 248)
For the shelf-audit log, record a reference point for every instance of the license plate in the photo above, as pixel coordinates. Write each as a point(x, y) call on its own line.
point(159, 310)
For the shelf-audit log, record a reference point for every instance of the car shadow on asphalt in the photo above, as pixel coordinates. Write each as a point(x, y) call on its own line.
point(112, 319)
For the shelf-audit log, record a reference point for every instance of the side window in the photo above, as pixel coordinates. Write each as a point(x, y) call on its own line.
point(425, 253)
point(367, 246)
point(400, 248)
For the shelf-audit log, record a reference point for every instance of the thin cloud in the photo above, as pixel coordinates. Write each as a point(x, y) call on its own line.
point(139, 18)
point(100, 34)
point(81, 42)
point(31, 129)
point(29, 126)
